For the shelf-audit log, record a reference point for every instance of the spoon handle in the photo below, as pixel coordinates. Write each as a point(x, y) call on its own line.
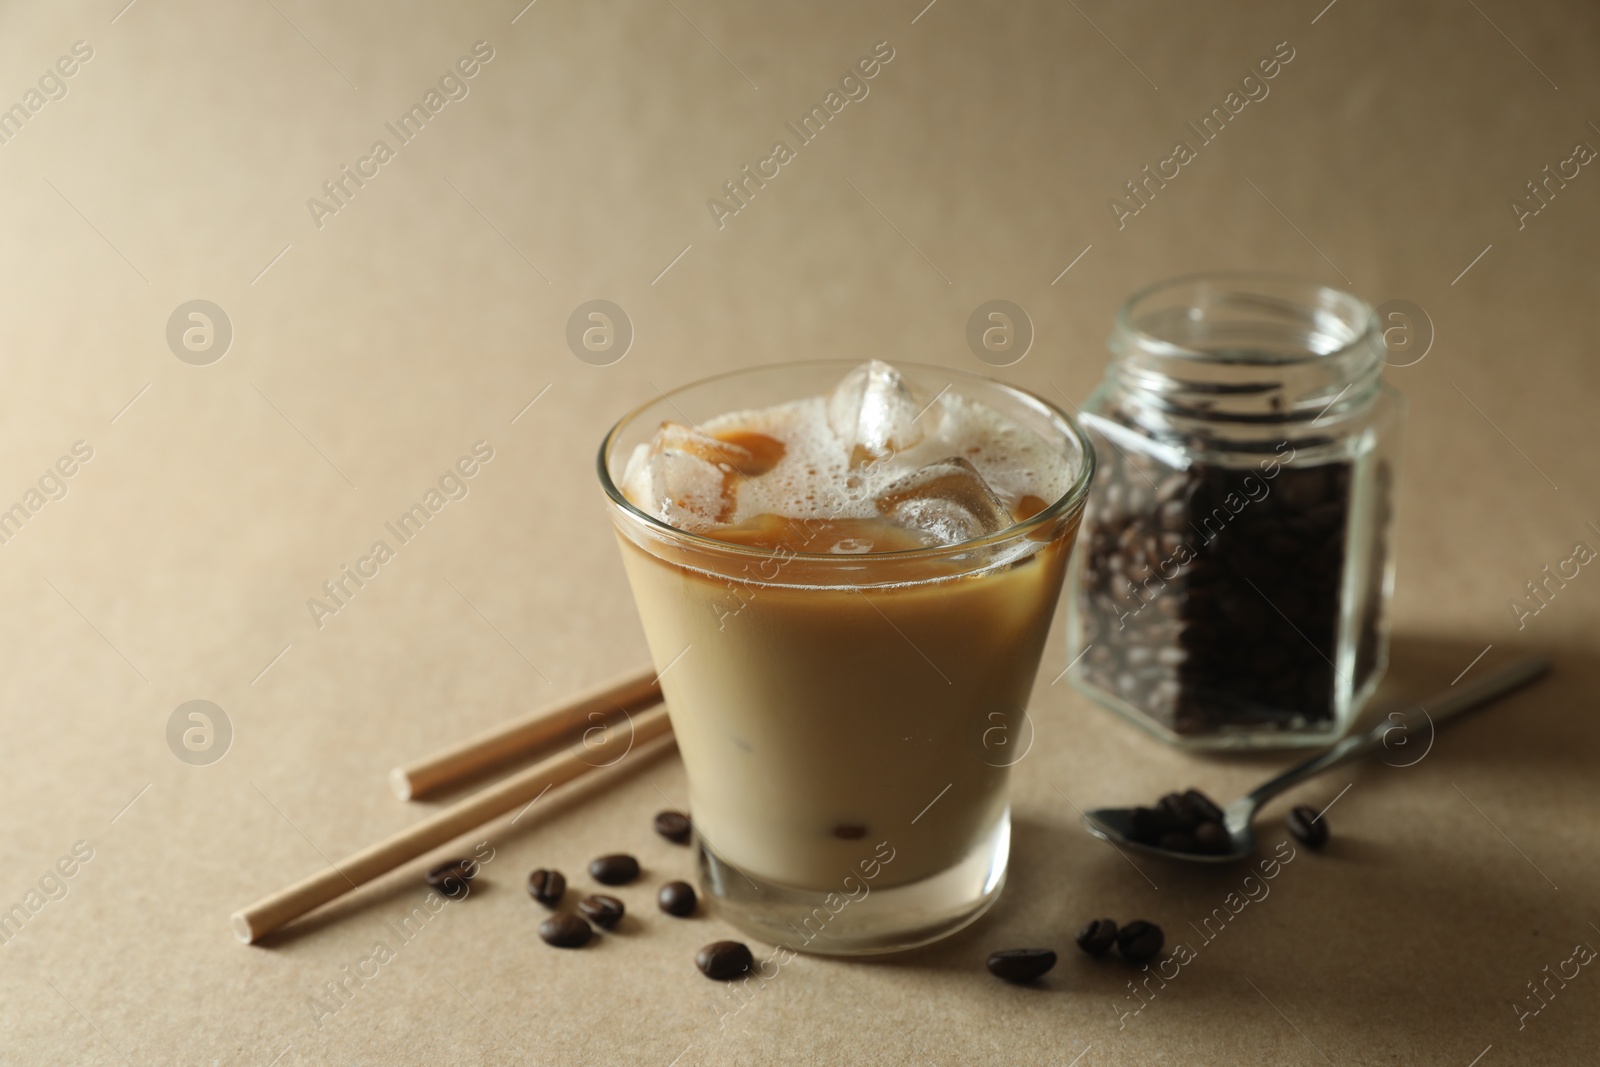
point(1441, 706)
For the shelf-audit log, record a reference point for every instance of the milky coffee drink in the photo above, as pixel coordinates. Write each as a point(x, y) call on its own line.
point(849, 612)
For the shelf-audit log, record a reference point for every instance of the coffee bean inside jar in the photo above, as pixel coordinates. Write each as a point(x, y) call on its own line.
point(1233, 576)
point(1207, 616)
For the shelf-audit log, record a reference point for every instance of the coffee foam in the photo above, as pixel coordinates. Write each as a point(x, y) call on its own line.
point(816, 478)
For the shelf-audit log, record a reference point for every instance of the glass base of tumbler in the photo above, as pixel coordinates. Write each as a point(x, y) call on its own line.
point(890, 919)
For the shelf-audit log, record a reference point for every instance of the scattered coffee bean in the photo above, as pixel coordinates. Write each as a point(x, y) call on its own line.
point(565, 931)
point(602, 910)
point(723, 960)
point(1021, 964)
point(547, 886)
point(676, 898)
point(1304, 824)
point(451, 878)
point(1097, 938)
point(619, 868)
point(1139, 941)
point(674, 826)
point(849, 831)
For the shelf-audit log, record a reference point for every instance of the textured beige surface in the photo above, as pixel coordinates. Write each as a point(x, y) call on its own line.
point(431, 309)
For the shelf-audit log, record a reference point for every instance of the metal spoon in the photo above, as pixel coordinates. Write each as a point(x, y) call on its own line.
point(1116, 824)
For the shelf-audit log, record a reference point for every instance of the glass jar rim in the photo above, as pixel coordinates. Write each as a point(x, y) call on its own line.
point(1072, 499)
point(1245, 349)
point(1361, 322)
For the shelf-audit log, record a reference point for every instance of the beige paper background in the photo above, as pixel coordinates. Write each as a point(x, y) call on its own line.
point(427, 314)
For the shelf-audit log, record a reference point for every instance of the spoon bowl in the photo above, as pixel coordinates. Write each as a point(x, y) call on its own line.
point(1116, 825)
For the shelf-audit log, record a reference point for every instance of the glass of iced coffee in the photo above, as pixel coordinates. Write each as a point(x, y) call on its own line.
point(846, 576)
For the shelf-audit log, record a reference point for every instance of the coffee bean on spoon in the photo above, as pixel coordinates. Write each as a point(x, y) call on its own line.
point(565, 931)
point(1180, 811)
point(1139, 941)
point(1305, 824)
point(619, 868)
point(547, 886)
point(602, 910)
point(1097, 937)
point(676, 898)
point(674, 826)
point(1150, 823)
point(1175, 824)
point(1204, 807)
point(1213, 839)
point(1177, 842)
point(1021, 964)
point(724, 960)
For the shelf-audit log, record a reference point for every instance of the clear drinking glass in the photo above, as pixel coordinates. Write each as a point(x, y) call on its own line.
point(1236, 570)
point(847, 721)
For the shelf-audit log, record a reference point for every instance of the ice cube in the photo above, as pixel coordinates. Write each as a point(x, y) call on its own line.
point(729, 457)
point(948, 502)
point(685, 477)
point(874, 412)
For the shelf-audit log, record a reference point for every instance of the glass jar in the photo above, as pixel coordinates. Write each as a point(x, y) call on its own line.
point(1234, 570)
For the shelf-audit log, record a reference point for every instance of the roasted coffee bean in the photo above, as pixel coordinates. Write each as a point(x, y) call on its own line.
point(451, 878)
point(849, 831)
point(565, 931)
point(1178, 807)
point(619, 868)
point(1021, 964)
point(1097, 937)
point(1150, 823)
point(1205, 808)
point(1182, 822)
point(1212, 839)
point(1304, 824)
point(1221, 550)
point(602, 910)
point(1177, 842)
point(676, 898)
point(674, 826)
point(1139, 941)
point(547, 886)
point(724, 960)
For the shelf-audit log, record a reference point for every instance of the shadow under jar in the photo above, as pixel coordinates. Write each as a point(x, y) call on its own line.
point(1234, 570)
